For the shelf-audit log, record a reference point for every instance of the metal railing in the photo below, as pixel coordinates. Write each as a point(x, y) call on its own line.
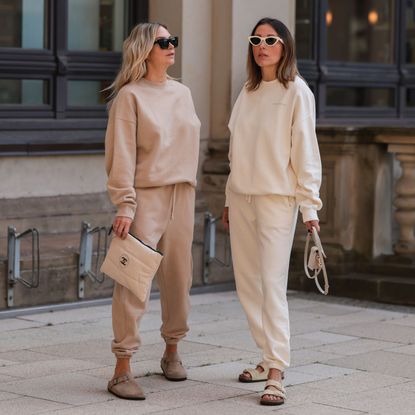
point(13, 261)
point(86, 252)
point(209, 246)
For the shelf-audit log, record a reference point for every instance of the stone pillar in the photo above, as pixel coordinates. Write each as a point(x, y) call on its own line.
point(405, 197)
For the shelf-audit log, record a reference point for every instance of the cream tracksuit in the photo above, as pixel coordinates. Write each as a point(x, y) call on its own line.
point(151, 155)
point(275, 168)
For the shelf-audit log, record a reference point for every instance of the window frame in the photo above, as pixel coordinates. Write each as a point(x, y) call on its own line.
point(23, 127)
point(323, 73)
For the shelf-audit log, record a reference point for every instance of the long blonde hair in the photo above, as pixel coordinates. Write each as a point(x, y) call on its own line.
point(135, 51)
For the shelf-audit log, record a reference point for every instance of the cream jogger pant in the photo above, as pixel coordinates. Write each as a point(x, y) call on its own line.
point(261, 231)
point(164, 220)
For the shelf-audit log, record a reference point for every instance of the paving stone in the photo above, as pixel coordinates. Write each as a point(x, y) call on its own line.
point(358, 382)
point(231, 309)
point(225, 374)
point(386, 331)
point(240, 340)
point(317, 338)
point(7, 378)
point(111, 407)
point(308, 356)
point(358, 346)
point(213, 298)
point(4, 363)
point(216, 327)
point(404, 349)
point(97, 350)
point(12, 324)
point(70, 316)
point(225, 406)
point(300, 303)
point(193, 395)
point(381, 401)
point(304, 394)
point(158, 383)
point(7, 395)
point(29, 406)
point(400, 365)
point(408, 320)
point(298, 357)
point(46, 367)
point(407, 386)
point(24, 356)
point(68, 388)
point(327, 371)
point(49, 335)
point(345, 360)
point(330, 309)
point(318, 409)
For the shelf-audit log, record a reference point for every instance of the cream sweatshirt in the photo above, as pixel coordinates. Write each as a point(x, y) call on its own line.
point(152, 139)
point(273, 147)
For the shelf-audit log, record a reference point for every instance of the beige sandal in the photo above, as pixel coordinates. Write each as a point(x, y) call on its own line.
point(126, 387)
point(273, 388)
point(255, 375)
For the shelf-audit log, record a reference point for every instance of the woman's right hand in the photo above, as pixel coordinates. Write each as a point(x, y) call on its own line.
point(121, 226)
point(225, 218)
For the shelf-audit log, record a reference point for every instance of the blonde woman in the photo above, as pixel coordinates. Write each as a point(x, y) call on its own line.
point(151, 152)
point(275, 168)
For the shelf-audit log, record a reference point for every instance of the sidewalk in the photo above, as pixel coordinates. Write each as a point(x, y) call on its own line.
point(347, 358)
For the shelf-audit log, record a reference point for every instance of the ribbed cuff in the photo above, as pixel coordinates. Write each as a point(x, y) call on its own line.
point(127, 211)
point(309, 214)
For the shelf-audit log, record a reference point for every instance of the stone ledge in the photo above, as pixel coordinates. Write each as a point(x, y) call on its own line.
point(379, 288)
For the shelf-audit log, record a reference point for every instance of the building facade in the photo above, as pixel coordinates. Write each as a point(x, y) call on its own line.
point(358, 56)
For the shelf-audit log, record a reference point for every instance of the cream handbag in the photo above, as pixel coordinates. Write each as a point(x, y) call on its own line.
point(132, 264)
point(315, 260)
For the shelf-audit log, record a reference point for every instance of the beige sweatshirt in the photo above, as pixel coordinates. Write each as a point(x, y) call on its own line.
point(152, 139)
point(273, 147)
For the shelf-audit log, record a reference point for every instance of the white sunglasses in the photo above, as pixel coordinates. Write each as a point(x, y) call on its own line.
point(269, 40)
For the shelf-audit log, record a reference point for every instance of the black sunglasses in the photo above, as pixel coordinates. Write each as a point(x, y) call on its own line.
point(164, 42)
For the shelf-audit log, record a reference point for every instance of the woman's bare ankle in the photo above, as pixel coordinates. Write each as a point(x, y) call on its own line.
point(122, 367)
point(275, 374)
point(170, 349)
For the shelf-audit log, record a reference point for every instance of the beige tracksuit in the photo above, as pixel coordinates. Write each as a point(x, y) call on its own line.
point(275, 168)
point(151, 153)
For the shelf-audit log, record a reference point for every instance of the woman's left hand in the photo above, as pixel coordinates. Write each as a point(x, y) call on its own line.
point(312, 224)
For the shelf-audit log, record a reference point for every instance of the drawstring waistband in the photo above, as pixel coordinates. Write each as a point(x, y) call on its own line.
point(173, 202)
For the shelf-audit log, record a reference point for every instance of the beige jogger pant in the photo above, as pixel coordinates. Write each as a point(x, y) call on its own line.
point(261, 232)
point(164, 220)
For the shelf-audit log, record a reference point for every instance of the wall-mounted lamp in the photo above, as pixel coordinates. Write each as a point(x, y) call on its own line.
point(329, 17)
point(373, 17)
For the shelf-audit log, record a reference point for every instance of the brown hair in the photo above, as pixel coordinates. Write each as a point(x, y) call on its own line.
point(287, 66)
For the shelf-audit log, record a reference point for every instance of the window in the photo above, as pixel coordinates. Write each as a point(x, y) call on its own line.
point(361, 62)
point(410, 32)
point(23, 24)
point(96, 25)
point(304, 29)
point(360, 31)
point(56, 59)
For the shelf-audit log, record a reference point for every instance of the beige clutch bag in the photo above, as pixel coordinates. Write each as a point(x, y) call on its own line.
point(132, 264)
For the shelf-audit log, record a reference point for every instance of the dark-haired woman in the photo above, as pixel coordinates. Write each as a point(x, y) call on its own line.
point(275, 169)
